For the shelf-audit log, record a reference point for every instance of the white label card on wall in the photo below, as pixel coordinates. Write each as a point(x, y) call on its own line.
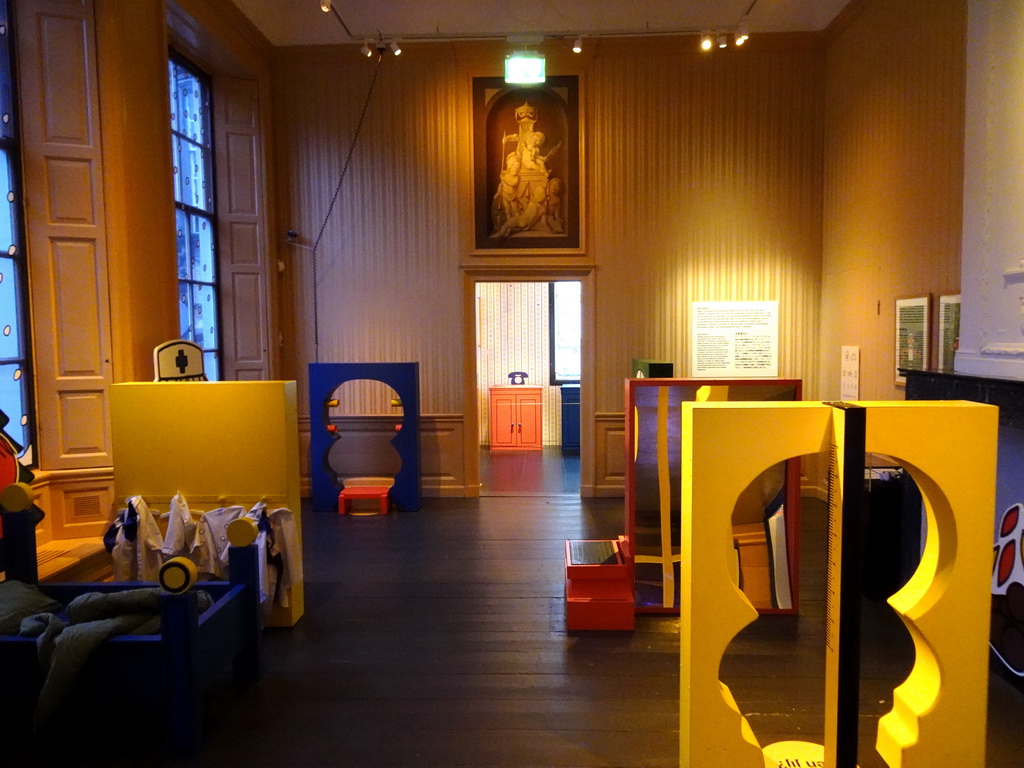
point(734, 339)
point(849, 374)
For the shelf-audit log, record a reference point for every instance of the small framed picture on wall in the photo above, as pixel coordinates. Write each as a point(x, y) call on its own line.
point(947, 338)
point(913, 324)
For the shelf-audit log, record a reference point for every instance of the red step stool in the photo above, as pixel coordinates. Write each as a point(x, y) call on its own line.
point(598, 586)
point(363, 492)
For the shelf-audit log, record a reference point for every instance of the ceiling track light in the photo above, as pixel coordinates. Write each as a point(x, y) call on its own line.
point(577, 45)
point(368, 48)
point(325, 6)
point(395, 48)
point(709, 40)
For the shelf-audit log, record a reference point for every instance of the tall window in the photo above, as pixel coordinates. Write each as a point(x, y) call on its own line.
point(192, 139)
point(15, 358)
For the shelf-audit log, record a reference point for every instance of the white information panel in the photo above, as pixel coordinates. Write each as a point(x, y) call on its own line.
point(734, 339)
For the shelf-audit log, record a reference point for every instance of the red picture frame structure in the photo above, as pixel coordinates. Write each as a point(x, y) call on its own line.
point(643, 502)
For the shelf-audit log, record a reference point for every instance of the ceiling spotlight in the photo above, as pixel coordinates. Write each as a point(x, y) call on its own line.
point(577, 45)
point(395, 48)
point(705, 41)
point(722, 40)
point(741, 34)
point(367, 49)
point(325, 6)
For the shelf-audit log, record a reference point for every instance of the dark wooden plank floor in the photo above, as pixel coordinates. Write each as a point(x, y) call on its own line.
point(529, 473)
point(437, 638)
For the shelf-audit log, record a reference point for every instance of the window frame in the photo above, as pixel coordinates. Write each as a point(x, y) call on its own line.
point(11, 146)
point(193, 213)
point(553, 377)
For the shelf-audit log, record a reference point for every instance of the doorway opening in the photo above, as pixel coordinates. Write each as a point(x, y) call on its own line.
point(528, 372)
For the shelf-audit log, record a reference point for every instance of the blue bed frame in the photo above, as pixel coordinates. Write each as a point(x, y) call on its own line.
point(166, 673)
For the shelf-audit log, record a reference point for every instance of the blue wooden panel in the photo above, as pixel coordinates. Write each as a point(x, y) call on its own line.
point(570, 418)
point(404, 378)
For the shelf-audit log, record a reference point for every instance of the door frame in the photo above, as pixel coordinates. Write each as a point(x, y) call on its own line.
point(471, 275)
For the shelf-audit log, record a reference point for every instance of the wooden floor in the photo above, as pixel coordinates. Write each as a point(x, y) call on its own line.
point(437, 638)
point(546, 472)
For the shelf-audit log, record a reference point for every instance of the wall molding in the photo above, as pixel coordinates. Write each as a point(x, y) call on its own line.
point(609, 457)
point(78, 503)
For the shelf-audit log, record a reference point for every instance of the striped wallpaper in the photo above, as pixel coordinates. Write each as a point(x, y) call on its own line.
point(721, 177)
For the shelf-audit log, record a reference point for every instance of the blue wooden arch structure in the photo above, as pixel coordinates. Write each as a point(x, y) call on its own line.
point(404, 378)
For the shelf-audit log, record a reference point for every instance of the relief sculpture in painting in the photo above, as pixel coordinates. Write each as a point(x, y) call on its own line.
point(528, 196)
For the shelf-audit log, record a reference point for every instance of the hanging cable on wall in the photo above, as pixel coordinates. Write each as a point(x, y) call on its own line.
point(334, 199)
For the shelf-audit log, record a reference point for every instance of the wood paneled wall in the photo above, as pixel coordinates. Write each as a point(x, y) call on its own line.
point(66, 234)
point(893, 177)
point(97, 175)
point(705, 185)
point(387, 287)
point(702, 177)
point(824, 172)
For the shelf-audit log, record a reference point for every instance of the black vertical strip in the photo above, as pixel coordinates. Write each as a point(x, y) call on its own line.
point(18, 545)
point(848, 706)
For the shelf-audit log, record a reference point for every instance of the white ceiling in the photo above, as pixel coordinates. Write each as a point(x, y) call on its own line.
point(301, 22)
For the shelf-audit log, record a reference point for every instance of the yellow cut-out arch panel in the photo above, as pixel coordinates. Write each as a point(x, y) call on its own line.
point(724, 447)
point(949, 448)
point(939, 712)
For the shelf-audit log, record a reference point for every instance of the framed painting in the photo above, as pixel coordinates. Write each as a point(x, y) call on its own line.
point(948, 332)
point(912, 335)
point(526, 185)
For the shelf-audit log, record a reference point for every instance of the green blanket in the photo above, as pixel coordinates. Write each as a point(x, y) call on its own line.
point(65, 646)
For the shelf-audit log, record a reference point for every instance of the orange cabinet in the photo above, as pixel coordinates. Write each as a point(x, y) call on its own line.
point(516, 415)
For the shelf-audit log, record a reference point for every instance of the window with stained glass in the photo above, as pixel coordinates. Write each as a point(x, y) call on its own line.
point(18, 420)
point(192, 146)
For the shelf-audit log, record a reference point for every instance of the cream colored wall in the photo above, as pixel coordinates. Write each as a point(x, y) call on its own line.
point(893, 178)
point(702, 178)
point(991, 332)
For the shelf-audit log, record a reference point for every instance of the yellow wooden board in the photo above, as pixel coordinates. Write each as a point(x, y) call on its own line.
point(948, 448)
point(794, 754)
point(216, 443)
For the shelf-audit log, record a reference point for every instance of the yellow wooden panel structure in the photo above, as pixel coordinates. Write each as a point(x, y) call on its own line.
point(724, 447)
point(217, 443)
point(939, 713)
